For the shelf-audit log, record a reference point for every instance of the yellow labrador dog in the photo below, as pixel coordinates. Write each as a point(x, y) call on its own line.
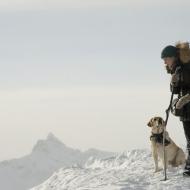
point(174, 155)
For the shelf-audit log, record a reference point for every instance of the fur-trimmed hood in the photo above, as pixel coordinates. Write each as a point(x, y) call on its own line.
point(184, 51)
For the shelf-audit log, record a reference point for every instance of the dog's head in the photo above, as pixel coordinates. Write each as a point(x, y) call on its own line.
point(157, 125)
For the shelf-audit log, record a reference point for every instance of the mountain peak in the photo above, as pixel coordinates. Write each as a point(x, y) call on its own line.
point(49, 144)
point(51, 136)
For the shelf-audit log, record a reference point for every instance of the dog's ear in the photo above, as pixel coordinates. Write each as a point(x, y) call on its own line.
point(149, 123)
point(163, 122)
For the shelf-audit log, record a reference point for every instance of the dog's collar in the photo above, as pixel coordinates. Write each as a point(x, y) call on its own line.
point(158, 138)
point(158, 133)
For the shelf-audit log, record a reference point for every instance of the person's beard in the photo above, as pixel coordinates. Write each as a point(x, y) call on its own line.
point(168, 69)
point(171, 69)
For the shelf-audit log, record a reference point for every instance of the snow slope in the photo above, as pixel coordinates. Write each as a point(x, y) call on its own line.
point(46, 157)
point(130, 170)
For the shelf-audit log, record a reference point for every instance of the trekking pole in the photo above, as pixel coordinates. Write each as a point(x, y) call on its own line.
point(166, 121)
point(164, 135)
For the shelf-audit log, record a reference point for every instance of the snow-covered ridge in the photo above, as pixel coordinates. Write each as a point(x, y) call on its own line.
point(58, 167)
point(47, 156)
point(120, 161)
point(130, 170)
point(107, 173)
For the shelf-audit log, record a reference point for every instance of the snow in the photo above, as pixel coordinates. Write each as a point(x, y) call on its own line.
point(129, 170)
point(46, 157)
point(54, 166)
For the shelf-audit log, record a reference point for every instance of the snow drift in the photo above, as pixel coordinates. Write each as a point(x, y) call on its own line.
point(130, 170)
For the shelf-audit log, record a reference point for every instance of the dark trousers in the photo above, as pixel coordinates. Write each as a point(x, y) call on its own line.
point(186, 126)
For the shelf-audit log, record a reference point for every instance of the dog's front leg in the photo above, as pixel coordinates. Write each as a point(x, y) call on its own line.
point(155, 156)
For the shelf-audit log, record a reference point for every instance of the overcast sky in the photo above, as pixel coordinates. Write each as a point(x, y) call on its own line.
point(88, 71)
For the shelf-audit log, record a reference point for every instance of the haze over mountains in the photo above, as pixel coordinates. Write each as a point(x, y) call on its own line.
point(46, 157)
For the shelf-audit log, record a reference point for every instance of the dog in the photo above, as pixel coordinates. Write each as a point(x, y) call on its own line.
point(174, 155)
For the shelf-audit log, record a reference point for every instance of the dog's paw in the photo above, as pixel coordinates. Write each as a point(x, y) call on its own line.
point(157, 170)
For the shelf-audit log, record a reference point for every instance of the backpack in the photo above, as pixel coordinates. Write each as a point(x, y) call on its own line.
point(184, 51)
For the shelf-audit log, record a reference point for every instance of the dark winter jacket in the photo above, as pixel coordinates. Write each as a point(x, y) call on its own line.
point(180, 84)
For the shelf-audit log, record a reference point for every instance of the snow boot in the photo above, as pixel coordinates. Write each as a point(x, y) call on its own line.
point(187, 167)
point(186, 173)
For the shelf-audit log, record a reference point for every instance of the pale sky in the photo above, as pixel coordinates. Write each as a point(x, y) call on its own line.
point(20, 5)
point(88, 71)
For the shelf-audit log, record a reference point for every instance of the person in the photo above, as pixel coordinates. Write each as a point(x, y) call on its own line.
point(177, 63)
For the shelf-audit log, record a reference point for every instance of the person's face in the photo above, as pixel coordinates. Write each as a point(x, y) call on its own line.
point(169, 63)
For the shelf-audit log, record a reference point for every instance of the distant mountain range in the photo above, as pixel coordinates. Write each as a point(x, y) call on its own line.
point(46, 157)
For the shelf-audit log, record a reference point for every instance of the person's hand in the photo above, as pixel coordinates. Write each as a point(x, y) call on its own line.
point(175, 79)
